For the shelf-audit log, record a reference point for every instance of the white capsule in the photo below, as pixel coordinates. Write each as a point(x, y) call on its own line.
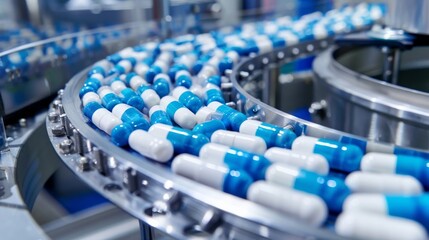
point(118, 86)
point(180, 114)
point(238, 140)
point(312, 162)
point(150, 146)
point(305, 207)
point(359, 225)
point(136, 82)
point(150, 98)
point(214, 153)
point(141, 69)
point(203, 172)
point(264, 45)
point(98, 115)
point(365, 182)
point(379, 162)
point(108, 122)
point(90, 97)
point(207, 71)
point(366, 202)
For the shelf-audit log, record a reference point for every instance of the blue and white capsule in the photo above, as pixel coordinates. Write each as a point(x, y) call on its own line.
point(397, 164)
point(162, 84)
point(274, 136)
point(134, 81)
point(148, 145)
point(102, 118)
point(231, 117)
point(183, 140)
point(108, 97)
point(242, 141)
point(131, 115)
point(254, 164)
point(158, 115)
point(117, 85)
point(149, 96)
point(178, 112)
point(183, 78)
point(410, 207)
point(102, 67)
point(219, 177)
point(332, 190)
point(90, 97)
point(209, 127)
point(187, 98)
point(343, 157)
point(213, 94)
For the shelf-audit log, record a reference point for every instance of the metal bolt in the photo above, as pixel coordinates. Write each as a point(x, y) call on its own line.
point(2, 174)
point(53, 117)
point(84, 164)
point(58, 130)
point(23, 122)
point(56, 104)
point(66, 146)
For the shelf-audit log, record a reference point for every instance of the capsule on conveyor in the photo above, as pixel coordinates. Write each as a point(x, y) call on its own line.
point(149, 96)
point(101, 117)
point(183, 78)
point(209, 127)
point(206, 114)
point(187, 98)
point(131, 115)
point(102, 67)
point(254, 164)
point(245, 142)
point(213, 94)
point(273, 135)
point(178, 113)
point(399, 164)
point(128, 96)
point(332, 190)
point(151, 146)
point(312, 162)
point(362, 225)
point(410, 207)
point(231, 117)
point(216, 176)
point(158, 115)
point(367, 182)
point(183, 140)
point(134, 81)
point(117, 85)
point(90, 97)
point(123, 66)
point(344, 157)
point(162, 84)
point(108, 97)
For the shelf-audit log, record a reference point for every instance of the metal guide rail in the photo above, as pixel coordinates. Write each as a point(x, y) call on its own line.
point(170, 203)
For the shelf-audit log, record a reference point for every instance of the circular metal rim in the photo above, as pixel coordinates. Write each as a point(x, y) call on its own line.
point(248, 211)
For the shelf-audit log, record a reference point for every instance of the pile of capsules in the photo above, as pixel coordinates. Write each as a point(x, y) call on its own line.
point(164, 100)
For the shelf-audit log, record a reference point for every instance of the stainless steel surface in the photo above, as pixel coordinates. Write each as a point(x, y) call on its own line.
point(410, 15)
point(360, 104)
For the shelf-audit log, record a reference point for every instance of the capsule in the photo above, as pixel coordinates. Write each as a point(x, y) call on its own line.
point(93, 82)
point(148, 145)
point(149, 96)
point(410, 207)
point(343, 157)
point(157, 68)
point(141, 69)
point(253, 164)
point(162, 84)
point(361, 225)
point(215, 80)
point(311, 162)
point(108, 97)
point(102, 118)
point(273, 135)
point(187, 98)
point(131, 115)
point(117, 85)
point(400, 164)
point(246, 142)
point(158, 115)
point(135, 81)
point(102, 67)
point(366, 182)
point(183, 140)
point(179, 113)
point(205, 114)
point(183, 78)
point(213, 94)
point(216, 176)
point(90, 97)
point(305, 207)
point(129, 97)
point(123, 66)
point(331, 189)
point(209, 127)
point(232, 118)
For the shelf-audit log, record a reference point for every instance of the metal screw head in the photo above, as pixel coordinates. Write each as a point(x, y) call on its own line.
point(58, 130)
point(53, 117)
point(84, 164)
point(66, 146)
point(23, 122)
point(56, 104)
